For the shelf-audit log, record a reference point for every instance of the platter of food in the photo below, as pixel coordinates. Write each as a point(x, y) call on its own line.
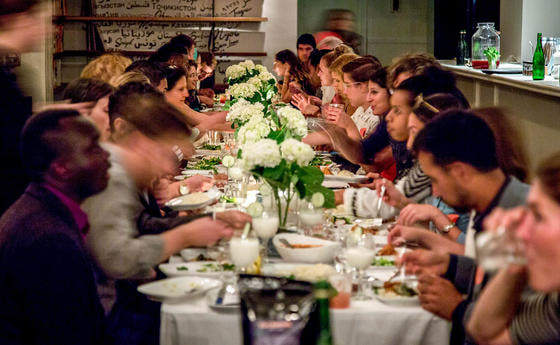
point(299, 271)
point(397, 293)
point(193, 201)
point(304, 248)
point(343, 176)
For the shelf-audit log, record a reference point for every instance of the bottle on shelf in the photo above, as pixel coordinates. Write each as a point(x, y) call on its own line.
point(538, 60)
point(462, 49)
point(323, 292)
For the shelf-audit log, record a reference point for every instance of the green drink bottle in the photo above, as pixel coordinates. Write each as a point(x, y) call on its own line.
point(538, 60)
point(323, 291)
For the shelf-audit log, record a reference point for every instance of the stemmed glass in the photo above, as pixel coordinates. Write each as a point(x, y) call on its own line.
point(360, 253)
point(310, 216)
point(266, 227)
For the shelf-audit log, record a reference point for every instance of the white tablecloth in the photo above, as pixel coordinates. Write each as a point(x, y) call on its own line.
point(365, 322)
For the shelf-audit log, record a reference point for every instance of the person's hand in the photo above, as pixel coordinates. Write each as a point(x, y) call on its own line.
point(205, 231)
point(295, 87)
point(338, 117)
point(438, 295)
point(392, 195)
point(198, 183)
point(508, 219)
point(415, 213)
point(422, 261)
point(371, 181)
point(315, 101)
point(235, 219)
point(301, 101)
point(164, 191)
point(400, 234)
point(339, 197)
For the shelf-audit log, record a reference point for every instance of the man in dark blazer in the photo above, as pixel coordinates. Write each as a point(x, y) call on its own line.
point(47, 286)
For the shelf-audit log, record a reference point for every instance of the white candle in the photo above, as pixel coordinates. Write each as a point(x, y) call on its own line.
point(360, 257)
point(243, 251)
point(265, 227)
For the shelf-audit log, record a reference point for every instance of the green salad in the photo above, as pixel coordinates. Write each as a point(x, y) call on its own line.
point(210, 147)
point(383, 262)
point(318, 160)
point(216, 267)
point(207, 164)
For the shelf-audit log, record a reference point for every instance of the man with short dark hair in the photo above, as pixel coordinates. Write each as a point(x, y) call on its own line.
point(458, 152)
point(155, 71)
point(305, 45)
point(47, 286)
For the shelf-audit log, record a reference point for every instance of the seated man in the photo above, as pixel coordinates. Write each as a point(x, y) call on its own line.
point(144, 129)
point(47, 284)
point(458, 152)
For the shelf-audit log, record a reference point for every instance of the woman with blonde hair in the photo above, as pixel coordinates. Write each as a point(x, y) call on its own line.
point(128, 77)
point(105, 67)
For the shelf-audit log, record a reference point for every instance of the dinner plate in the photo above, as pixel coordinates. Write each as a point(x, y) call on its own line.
point(231, 302)
point(347, 179)
point(192, 172)
point(335, 184)
point(210, 269)
point(178, 287)
point(397, 300)
point(182, 203)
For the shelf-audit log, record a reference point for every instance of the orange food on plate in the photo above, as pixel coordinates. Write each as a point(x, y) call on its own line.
point(303, 246)
point(326, 171)
point(387, 250)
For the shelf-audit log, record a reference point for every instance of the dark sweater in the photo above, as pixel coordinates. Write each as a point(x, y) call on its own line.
point(47, 285)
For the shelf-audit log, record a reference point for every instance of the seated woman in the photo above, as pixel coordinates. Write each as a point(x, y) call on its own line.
point(362, 122)
point(176, 94)
point(206, 77)
point(295, 79)
point(503, 315)
point(97, 92)
point(192, 99)
point(105, 67)
point(413, 185)
point(310, 105)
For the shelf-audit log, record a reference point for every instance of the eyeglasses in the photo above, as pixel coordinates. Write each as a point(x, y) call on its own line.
point(347, 85)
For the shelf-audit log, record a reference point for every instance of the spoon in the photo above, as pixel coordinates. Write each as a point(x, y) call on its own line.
point(286, 243)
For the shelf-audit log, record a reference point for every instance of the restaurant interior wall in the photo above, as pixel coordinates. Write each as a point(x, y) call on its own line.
point(386, 33)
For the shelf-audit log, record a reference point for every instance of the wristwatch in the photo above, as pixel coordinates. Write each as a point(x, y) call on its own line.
point(447, 228)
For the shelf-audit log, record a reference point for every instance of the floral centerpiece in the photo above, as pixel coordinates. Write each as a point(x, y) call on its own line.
point(270, 139)
point(251, 82)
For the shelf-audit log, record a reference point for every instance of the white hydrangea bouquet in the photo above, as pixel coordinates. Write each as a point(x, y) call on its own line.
point(269, 138)
point(251, 82)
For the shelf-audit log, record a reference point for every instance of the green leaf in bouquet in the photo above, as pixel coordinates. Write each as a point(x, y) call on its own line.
point(279, 135)
point(275, 173)
point(310, 175)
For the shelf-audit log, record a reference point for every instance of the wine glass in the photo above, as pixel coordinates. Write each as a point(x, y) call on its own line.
point(243, 252)
point(266, 227)
point(360, 253)
point(310, 216)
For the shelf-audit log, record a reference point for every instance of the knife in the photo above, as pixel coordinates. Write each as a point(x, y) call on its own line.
point(221, 294)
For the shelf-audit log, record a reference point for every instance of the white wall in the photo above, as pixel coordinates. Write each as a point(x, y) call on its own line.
point(511, 14)
point(538, 16)
point(280, 29)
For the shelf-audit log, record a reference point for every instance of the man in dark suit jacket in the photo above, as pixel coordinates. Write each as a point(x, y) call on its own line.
point(47, 286)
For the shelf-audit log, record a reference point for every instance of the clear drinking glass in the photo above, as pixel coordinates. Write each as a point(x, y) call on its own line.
point(310, 217)
point(266, 227)
point(243, 252)
point(360, 254)
point(497, 249)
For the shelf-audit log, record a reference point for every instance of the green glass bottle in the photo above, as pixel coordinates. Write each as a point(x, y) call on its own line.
point(323, 292)
point(538, 60)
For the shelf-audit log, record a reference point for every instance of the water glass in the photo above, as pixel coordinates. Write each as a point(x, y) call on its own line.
point(266, 227)
point(499, 248)
point(360, 253)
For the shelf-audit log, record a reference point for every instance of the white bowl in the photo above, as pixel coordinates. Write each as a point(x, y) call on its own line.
point(324, 254)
